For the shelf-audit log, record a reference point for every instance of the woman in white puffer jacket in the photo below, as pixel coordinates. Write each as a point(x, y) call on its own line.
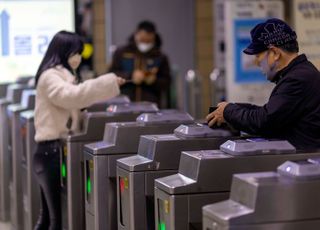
point(58, 100)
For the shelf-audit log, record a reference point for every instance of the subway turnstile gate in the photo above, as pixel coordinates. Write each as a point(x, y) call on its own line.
point(120, 140)
point(72, 187)
point(15, 183)
point(158, 156)
point(3, 89)
point(204, 177)
point(30, 188)
point(102, 106)
point(288, 199)
point(13, 96)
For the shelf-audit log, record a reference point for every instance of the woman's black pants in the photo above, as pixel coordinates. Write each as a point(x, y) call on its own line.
point(46, 165)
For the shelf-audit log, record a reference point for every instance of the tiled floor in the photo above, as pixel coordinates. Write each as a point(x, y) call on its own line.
point(4, 226)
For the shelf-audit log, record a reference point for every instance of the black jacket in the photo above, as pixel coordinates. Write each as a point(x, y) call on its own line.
point(293, 109)
point(126, 59)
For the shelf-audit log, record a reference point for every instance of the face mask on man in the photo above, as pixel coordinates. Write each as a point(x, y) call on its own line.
point(144, 47)
point(269, 71)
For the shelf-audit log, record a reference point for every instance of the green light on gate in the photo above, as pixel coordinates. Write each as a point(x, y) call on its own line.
point(162, 226)
point(63, 170)
point(88, 186)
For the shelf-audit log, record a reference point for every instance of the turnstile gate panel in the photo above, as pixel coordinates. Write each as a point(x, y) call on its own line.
point(15, 143)
point(120, 140)
point(204, 177)
point(103, 105)
point(13, 96)
point(3, 90)
point(72, 197)
point(30, 188)
point(158, 156)
point(269, 200)
point(14, 93)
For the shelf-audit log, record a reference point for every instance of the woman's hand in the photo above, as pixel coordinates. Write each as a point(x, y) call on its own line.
point(121, 81)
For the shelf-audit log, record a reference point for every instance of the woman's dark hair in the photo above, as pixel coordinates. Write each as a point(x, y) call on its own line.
point(149, 27)
point(62, 46)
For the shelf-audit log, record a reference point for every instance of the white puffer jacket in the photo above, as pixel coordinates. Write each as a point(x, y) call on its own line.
point(59, 99)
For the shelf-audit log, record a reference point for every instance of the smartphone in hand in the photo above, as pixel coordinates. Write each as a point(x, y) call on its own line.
point(212, 108)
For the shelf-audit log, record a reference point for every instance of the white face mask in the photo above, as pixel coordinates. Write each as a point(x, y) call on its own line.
point(74, 61)
point(144, 47)
point(269, 71)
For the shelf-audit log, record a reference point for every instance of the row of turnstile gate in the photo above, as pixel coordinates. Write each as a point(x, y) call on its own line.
point(19, 99)
point(134, 167)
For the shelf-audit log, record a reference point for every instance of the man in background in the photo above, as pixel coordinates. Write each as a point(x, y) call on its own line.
point(142, 63)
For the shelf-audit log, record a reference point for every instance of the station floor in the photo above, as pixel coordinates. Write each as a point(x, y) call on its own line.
point(4, 226)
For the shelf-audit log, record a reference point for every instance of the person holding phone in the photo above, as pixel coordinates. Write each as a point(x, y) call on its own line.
point(293, 110)
point(58, 102)
point(144, 65)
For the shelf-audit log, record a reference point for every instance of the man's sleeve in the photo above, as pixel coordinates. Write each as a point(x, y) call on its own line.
point(283, 108)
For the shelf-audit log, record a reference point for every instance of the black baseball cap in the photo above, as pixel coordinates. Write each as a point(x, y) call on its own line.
point(271, 32)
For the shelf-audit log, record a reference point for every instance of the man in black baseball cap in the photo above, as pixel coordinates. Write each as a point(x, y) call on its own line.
point(276, 36)
point(293, 109)
point(272, 32)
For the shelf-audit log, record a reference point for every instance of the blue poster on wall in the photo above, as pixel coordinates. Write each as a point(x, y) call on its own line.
point(245, 69)
point(24, 38)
